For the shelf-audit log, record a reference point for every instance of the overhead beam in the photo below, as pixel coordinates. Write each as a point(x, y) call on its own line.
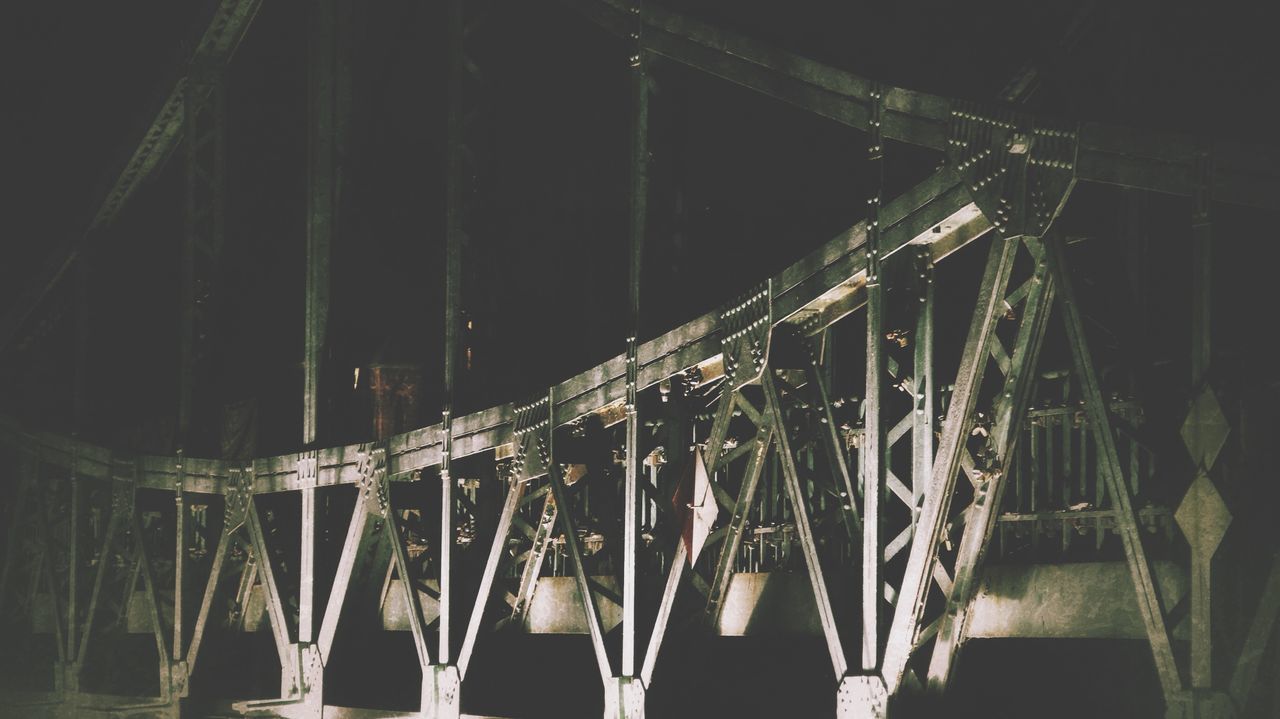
point(227, 23)
point(815, 292)
point(1159, 161)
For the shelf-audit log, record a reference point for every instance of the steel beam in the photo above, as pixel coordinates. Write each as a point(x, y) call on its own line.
point(575, 556)
point(871, 450)
point(1161, 162)
point(491, 565)
point(737, 522)
point(226, 25)
point(922, 387)
point(1109, 465)
point(931, 526)
point(988, 495)
point(808, 543)
point(826, 285)
point(680, 557)
point(637, 195)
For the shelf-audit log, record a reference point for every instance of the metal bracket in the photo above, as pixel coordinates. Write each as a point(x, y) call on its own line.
point(745, 329)
point(239, 498)
point(1019, 170)
point(530, 429)
point(371, 465)
point(308, 469)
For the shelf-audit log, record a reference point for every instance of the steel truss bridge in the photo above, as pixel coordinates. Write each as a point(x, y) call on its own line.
point(888, 532)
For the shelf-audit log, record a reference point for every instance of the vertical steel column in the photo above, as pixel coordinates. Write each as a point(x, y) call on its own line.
point(937, 501)
point(179, 573)
point(922, 418)
point(452, 294)
point(1011, 412)
point(873, 470)
point(637, 197)
point(325, 98)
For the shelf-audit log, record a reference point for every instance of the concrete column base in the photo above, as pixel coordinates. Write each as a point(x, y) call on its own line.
point(1201, 704)
point(176, 680)
point(441, 692)
point(862, 697)
point(624, 698)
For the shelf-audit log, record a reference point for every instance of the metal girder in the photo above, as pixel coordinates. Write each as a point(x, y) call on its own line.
point(922, 386)
point(1162, 162)
point(153, 604)
point(737, 522)
point(281, 631)
point(833, 447)
point(533, 562)
point(988, 494)
point(241, 525)
point(120, 516)
point(575, 556)
point(1109, 464)
point(808, 544)
point(930, 529)
point(871, 451)
point(813, 292)
point(227, 23)
point(514, 494)
point(637, 195)
point(680, 556)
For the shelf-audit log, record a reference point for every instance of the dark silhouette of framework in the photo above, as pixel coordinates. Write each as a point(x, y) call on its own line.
point(922, 522)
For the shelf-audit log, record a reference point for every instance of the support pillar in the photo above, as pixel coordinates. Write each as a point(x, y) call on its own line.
point(624, 698)
point(624, 695)
point(327, 99)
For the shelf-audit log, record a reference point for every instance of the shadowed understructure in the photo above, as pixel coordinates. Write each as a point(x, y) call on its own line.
point(980, 419)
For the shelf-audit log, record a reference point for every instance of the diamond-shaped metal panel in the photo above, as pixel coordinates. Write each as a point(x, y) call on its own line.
point(1203, 517)
point(1205, 430)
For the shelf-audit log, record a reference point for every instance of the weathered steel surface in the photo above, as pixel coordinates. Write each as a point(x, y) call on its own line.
point(1085, 600)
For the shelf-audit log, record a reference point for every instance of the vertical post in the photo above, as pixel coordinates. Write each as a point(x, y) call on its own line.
point(922, 416)
point(637, 196)
point(982, 514)
point(179, 557)
point(453, 265)
point(873, 434)
point(325, 98)
point(937, 500)
point(73, 560)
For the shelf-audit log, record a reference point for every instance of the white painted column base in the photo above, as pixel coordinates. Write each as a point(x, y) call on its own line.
point(441, 692)
point(301, 688)
point(862, 697)
point(624, 698)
